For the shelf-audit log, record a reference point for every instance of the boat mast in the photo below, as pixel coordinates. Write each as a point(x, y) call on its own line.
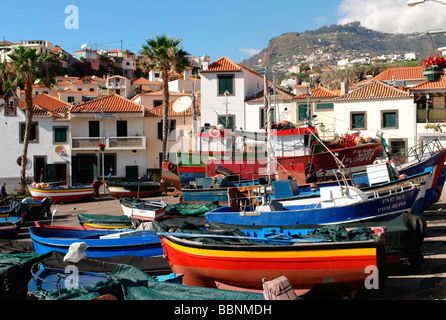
point(268, 127)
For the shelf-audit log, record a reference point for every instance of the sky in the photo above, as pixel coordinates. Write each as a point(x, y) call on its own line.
point(233, 28)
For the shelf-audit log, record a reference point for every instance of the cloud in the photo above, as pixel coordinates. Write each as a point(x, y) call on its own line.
point(249, 51)
point(393, 16)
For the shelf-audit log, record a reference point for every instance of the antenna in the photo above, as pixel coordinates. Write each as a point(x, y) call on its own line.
point(83, 46)
point(182, 104)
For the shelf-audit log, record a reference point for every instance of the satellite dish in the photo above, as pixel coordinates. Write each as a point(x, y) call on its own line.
point(83, 46)
point(182, 104)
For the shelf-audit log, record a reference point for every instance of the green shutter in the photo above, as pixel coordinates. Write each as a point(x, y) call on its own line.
point(304, 112)
point(358, 121)
point(60, 135)
point(225, 83)
point(222, 121)
point(389, 120)
point(325, 106)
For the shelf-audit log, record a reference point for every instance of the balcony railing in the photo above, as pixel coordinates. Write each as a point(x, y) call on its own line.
point(435, 115)
point(112, 143)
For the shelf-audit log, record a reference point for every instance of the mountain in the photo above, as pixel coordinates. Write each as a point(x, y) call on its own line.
point(326, 45)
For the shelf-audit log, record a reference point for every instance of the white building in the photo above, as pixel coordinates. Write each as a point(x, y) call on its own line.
point(49, 154)
point(225, 85)
point(122, 133)
point(378, 106)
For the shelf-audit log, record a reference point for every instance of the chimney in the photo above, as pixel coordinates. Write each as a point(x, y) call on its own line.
point(344, 88)
point(187, 73)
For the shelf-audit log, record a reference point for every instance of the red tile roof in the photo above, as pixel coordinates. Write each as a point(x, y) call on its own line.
point(224, 64)
point(411, 73)
point(281, 95)
point(430, 86)
point(144, 81)
point(112, 103)
point(374, 90)
point(47, 102)
point(320, 92)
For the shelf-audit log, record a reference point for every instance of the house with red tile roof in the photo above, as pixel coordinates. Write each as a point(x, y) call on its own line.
point(378, 106)
point(119, 124)
point(49, 154)
point(225, 85)
point(402, 77)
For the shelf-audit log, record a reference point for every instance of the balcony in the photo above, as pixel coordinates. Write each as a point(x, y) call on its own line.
point(435, 115)
point(111, 144)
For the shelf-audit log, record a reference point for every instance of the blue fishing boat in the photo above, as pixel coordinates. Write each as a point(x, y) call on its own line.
point(45, 279)
point(107, 243)
point(380, 205)
point(10, 227)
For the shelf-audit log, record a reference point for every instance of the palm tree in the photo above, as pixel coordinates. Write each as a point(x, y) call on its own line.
point(25, 68)
point(168, 55)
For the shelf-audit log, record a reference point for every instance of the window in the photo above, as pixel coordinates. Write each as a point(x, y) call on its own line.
point(304, 112)
point(263, 117)
point(389, 119)
point(358, 120)
point(33, 135)
point(121, 128)
point(398, 150)
point(172, 128)
point(230, 121)
point(93, 129)
point(70, 99)
point(157, 103)
point(325, 106)
point(60, 134)
point(225, 83)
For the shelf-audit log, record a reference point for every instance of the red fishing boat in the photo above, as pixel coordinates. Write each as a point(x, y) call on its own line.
point(244, 265)
point(294, 152)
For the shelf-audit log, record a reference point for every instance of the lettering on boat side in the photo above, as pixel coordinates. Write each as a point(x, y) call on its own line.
point(359, 156)
point(224, 309)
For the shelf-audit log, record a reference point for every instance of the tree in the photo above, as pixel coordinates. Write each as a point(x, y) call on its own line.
point(168, 55)
point(25, 68)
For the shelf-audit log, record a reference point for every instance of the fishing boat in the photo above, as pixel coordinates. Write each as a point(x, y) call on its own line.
point(142, 209)
point(140, 189)
point(60, 194)
point(10, 226)
point(379, 205)
point(101, 243)
point(292, 148)
point(45, 279)
point(236, 260)
point(104, 221)
point(127, 282)
point(404, 235)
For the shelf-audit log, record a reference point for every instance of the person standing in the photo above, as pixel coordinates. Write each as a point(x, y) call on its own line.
point(3, 193)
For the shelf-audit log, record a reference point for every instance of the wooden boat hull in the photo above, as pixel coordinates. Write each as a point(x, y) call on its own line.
point(10, 226)
point(378, 209)
point(142, 212)
point(120, 192)
point(61, 194)
point(304, 265)
point(357, 156)
point(143, 244)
